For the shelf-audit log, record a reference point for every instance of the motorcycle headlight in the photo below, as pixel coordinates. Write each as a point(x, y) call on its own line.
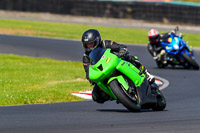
point(176, 47)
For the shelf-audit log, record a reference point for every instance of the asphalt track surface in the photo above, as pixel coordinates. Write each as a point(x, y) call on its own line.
point(182, 114)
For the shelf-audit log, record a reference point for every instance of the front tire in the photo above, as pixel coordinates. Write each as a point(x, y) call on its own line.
point(160, 64)
point(123, 97)
point(190, 61)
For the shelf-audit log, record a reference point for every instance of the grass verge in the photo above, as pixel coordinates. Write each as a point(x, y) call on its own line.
point(197, 1)
point(74, 31)
point(27, 80)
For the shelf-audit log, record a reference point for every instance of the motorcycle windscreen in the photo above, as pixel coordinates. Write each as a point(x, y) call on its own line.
point(96, 54)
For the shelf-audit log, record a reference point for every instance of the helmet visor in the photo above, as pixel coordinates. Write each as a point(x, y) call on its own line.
point(90, 45)
point(154, 39)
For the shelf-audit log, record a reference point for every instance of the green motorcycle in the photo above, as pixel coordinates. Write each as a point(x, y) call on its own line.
point(123, 82)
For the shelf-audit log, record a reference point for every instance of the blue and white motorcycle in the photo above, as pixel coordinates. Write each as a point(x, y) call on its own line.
point(178, 53)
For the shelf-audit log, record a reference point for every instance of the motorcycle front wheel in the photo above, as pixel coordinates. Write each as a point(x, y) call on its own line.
point(124, 97)
point(190, 61)
point(160, 64)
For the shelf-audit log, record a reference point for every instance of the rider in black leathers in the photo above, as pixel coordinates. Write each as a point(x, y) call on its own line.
point(91, 39)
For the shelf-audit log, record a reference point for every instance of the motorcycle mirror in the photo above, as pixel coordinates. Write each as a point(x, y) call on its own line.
point(177, 28)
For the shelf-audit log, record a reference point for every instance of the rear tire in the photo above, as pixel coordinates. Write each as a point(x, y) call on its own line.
point(123, 97)
point(190, 61)
point(161, 102)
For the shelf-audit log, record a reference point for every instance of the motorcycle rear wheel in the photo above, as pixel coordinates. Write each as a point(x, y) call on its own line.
point(123, 97)
point(161, 102)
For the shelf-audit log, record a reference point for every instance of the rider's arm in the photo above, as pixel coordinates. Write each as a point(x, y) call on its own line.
point(154, 49)
point(86, 64)
point(151, 49)
point(158, 49)
point(115, 47)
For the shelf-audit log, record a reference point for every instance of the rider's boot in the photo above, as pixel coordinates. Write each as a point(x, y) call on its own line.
point(154, 88)
point(163, 56)
point(99, 96)
point(150, 77)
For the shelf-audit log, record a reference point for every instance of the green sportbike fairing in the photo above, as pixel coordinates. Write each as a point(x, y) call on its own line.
point(123, 82)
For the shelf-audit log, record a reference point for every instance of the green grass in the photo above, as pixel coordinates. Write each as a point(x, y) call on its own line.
point(75, 31)
point(27, 80)
point(197, 1)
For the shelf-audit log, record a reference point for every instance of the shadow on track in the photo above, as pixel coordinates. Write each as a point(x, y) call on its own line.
point(126, 111)
point(176, 68)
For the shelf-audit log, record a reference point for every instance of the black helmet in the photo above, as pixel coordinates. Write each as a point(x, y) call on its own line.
point(91, 39)
point(154, 36)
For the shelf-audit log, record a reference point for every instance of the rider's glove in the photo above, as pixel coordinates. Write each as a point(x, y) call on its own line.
point(122, 52)
point(173, 32)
